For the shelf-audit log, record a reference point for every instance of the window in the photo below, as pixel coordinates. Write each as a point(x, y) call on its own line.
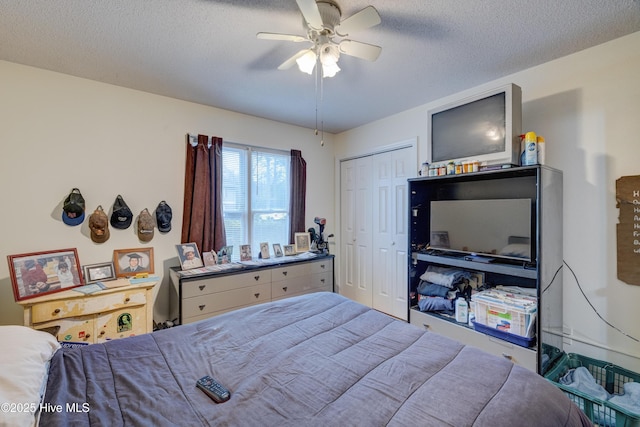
point(255, 196)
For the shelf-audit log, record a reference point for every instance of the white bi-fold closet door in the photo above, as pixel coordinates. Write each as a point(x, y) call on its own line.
point(374, 217)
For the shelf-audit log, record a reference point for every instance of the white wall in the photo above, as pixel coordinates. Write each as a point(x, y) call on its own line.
point(58, 132)
point(587, 106)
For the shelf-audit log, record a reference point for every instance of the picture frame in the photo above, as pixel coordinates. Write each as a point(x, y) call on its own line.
point(129, 262)
point(40, 273)
point(101, 272)
point(277, 250)
point(225, 254)
point(245, 253)
point(189, 256)
point(289, 250)
point(210, 258)
point(264, 250)
point(302, 242)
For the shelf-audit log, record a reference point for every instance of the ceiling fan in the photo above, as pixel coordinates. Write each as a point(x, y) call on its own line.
point(327, 33)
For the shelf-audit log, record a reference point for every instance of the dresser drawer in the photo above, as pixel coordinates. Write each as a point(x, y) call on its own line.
point(520, 355)
point(300, 285)
point(297, 270)
point(73, 329)
point(288, 272)
point(74, 307)
point(207, 286)
point(322, 266)
point(235, 298)
point(121, 323)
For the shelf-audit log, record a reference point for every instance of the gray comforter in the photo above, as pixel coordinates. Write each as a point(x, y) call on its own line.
point(314, 360)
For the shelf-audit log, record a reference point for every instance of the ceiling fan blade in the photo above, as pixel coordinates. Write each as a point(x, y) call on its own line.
point(360, 50)
point(286, 37)
point(310, 12)
point(289, 62)
point(366, 18)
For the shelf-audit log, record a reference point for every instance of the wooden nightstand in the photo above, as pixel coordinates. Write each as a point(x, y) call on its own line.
point(73, 316)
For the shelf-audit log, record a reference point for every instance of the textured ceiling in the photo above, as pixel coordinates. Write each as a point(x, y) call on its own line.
point(206, 51)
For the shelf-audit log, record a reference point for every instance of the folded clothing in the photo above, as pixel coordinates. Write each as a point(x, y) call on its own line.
point(445, 276)
point(432, 290)
point(435, 304)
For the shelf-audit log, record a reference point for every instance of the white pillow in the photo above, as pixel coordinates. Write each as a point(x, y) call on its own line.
point(25, 367)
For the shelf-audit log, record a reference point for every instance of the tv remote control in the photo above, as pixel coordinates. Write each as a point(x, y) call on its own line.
point(213, 389)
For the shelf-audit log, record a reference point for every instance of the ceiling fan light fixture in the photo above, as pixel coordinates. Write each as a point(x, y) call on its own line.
point(329, 55)
point(330, 69)
point(307, 62)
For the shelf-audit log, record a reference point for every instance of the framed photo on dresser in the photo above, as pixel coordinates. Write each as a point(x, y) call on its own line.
point(129, 262)
point(40, 273)
point(302, 242)
point(245, 253)
point(101, 272)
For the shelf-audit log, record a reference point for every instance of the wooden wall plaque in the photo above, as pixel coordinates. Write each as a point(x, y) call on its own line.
point(628, 228)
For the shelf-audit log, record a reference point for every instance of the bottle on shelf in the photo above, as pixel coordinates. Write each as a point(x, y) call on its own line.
point(530, 149)
point(462, 310)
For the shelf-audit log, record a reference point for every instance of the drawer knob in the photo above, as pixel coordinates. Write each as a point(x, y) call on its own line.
point(284, 288)
point(56, 311)
point(507, 356)
point(321, 265)
point(201, 307)
point(284, 273)
point(201, 287)
point(322, 280)
point(257, 295)
point(426, 326)
point(256, 277)
point(102, 332)
point(87, 336)
point(127, 299)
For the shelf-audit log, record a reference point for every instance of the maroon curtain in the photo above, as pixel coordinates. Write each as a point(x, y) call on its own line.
point(202, 220)
point(298, 193)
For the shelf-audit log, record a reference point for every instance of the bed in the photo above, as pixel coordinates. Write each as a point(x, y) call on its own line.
point(313, 360)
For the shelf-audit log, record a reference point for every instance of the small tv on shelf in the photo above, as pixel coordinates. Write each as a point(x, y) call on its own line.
point(485, 127)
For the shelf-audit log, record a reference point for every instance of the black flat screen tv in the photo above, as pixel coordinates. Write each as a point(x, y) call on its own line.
point(496, 228)
point(485, 127)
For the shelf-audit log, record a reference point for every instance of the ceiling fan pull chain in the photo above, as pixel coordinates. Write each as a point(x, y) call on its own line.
point(315, 77)
point(321, 115)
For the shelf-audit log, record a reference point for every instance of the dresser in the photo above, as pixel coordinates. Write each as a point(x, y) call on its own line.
point(75, 317)
point(208, 294)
